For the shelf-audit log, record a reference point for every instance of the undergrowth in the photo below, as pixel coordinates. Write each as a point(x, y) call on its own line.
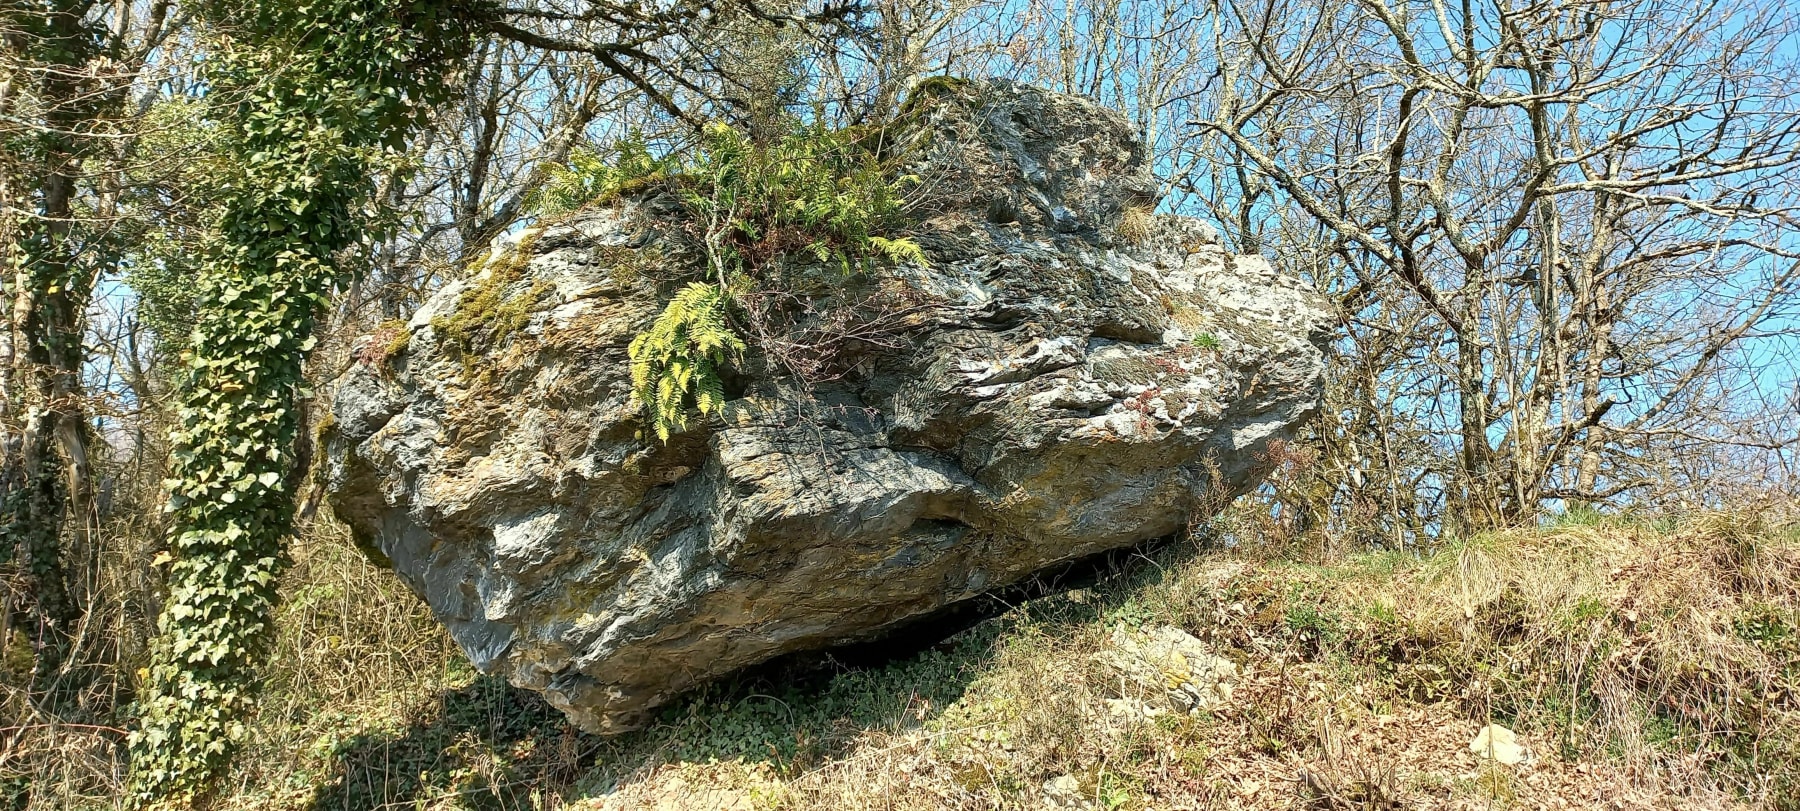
point(1645, 664)
point(1652, 664)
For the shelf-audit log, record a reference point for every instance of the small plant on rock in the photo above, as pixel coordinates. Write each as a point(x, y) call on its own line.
point(1135, 224)
point(788, 220)
point(678, 359)
point(593, 176)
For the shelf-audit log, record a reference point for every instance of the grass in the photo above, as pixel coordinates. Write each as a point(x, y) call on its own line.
point(1647, 664)
point(1136, 222)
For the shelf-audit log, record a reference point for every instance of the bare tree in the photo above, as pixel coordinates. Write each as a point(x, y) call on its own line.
point(1567, 224)
point(1561, 234)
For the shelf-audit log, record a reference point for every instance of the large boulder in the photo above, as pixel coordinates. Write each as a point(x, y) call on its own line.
point(1070, 374)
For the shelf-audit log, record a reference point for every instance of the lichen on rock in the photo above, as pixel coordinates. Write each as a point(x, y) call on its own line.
point(1065, 386)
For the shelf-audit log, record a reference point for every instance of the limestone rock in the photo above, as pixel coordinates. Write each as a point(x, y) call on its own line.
point(1172, 666)
point(1499, 744)
point(1064, 793)
point(1058, 389)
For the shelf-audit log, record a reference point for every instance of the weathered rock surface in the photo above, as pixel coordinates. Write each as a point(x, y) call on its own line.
point(1170, 667)
point(1070, 386)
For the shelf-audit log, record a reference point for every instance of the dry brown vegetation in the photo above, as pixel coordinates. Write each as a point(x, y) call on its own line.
point(1644, 664)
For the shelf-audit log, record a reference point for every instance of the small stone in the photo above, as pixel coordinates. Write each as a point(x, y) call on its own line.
point(1499, 744)
point(1172, 665)
point(1130, 707)
point(1063, 793)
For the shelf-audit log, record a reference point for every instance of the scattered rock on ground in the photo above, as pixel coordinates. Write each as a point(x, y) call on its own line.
point(1063, 793)
point(1499, 744)
point(1170, 666)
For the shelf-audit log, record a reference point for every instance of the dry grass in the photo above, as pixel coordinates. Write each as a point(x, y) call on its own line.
point(1643, 666)
point(1135, 224)
point(354, 649)
point(354, 652)
point(61, 734)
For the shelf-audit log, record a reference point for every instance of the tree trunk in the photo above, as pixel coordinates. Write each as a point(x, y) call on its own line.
point(44, 475)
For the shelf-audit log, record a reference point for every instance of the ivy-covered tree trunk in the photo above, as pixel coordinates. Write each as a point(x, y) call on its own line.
point(317, 96)
point(44, 471)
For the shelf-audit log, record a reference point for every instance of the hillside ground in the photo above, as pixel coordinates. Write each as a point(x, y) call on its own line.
point(1642, 664)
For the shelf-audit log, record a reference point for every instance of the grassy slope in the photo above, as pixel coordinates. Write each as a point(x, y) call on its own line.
point(1642, 666)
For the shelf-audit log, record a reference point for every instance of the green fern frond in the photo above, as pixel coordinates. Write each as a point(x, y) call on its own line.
point(590, 175)
point(901, 250)
point(676, 361)
point(815, 197)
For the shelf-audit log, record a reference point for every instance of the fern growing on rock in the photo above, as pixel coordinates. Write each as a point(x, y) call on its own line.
point(678, 358)
point(592, 176)
point(804, 215)
point(781, 211)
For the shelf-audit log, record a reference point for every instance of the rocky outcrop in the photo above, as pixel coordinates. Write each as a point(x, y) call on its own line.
point(1072, 375)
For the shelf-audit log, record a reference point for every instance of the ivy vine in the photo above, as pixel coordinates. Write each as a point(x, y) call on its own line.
point(321, 95)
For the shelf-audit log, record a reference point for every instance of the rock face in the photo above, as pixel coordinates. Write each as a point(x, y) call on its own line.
point(1076, 375)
